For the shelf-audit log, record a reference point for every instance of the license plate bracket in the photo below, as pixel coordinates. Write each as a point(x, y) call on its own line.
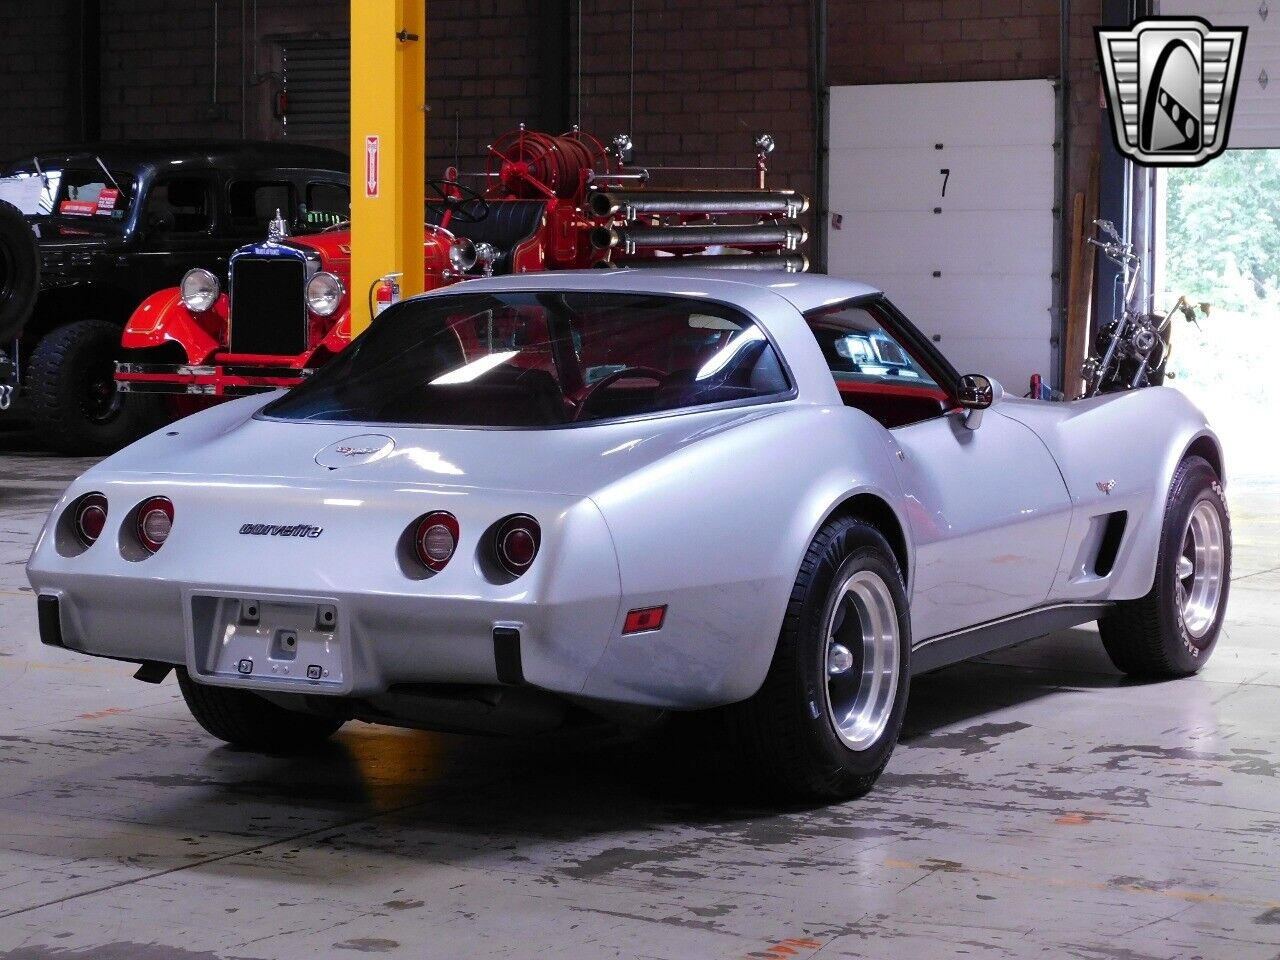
point(273, 642)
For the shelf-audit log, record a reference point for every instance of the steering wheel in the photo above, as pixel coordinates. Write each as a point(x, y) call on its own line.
point(584, 400)
point(448, 199)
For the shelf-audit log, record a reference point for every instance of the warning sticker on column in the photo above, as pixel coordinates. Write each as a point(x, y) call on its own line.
point(372, 144)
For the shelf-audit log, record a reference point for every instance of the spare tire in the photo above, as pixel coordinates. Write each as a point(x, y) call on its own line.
point(19, 271)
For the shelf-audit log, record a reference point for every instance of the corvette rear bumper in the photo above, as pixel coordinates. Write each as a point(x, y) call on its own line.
point(375, 642)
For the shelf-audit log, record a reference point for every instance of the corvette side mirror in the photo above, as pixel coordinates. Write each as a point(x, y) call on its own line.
point(975, 394)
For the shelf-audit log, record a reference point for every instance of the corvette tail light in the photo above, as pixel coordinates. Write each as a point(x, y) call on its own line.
point(155, 520)
point(90, 518)
point(435, 539)
point(516, 542)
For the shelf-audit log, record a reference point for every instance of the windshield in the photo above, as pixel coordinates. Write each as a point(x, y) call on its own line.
point(72, 192)
point(540, 359)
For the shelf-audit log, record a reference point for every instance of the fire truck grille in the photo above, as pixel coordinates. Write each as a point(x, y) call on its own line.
point(268, 312)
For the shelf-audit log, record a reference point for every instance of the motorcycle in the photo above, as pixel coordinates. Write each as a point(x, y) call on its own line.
point(1133, 350)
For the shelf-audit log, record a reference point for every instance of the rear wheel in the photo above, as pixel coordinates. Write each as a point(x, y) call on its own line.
point(244, 719)
point(828, 715)
point(1172, 631)
point(72, 388)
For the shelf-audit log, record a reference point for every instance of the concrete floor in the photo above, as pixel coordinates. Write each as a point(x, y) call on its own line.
point(1039, 806)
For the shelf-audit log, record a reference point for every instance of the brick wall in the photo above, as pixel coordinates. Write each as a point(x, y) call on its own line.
point(483, 76)
point(889, 41)
point(158, 69)
point(710, 77)
point(35, 48)
point(711, 74)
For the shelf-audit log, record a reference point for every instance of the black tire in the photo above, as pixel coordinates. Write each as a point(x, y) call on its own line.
point(245, 720)
point(1149, 637)
point(19, 271)
point(72, 392)
point(785, 733)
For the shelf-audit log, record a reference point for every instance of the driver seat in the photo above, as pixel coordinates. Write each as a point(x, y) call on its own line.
point(509, 224)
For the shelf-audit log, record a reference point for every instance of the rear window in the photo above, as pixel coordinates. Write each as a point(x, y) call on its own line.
point(539, 360)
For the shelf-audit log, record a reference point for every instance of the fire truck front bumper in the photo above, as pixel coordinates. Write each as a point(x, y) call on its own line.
point(207, 380)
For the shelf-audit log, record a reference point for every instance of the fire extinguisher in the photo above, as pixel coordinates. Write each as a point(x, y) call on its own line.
point(384, 292)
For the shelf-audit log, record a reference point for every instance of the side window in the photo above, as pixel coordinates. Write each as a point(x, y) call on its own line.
point(858, 349)
point(253, 204)
point(872, 370)
point(326, 204)
point(180, 205)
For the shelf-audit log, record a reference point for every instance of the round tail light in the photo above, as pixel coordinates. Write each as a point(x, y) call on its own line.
point(90, 518)
point(435, 539)
point(516, 543)
point(155, 520)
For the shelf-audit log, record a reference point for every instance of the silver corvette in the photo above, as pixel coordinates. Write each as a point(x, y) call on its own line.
point(524, 501)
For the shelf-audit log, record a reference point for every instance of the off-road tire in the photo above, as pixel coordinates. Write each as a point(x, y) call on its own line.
point(245, 720)
point(1146, 637)
point(66, 365)
point(19, 271)
point(784, 734)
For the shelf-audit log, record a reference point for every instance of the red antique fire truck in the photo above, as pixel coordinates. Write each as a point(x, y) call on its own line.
point(549, 203)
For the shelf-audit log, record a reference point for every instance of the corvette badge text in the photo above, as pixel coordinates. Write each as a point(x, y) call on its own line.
point(1171, 87)
point(274, 530)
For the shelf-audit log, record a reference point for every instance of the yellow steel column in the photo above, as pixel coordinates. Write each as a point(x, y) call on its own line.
point(388, 146)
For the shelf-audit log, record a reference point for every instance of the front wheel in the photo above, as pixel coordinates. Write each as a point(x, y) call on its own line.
point(245, 720)
point(1172, 631)
point(71, 383)
point(825, 721)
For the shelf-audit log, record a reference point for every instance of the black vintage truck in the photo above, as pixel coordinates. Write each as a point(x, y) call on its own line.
point(87, 233)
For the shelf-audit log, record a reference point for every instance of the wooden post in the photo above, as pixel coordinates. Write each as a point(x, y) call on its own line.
point(1080, 284)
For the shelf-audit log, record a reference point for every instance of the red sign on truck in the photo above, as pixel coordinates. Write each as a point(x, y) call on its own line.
point(107, 201)
point(371, 146)
point(77, 208)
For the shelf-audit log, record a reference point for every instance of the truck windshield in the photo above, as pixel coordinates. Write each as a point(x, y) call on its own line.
point(540, 359)
point(72, 192)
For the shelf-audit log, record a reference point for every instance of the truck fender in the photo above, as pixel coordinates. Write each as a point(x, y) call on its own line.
point(163, 318)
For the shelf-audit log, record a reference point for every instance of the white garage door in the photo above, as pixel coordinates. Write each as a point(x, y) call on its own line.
point(1256, 121)
point(942, 194)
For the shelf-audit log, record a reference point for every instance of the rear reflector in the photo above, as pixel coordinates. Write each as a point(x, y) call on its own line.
point(645, 619)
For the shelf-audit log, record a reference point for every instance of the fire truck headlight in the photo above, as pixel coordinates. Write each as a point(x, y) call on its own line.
point(462, 254)
point(324, 294)
point(199, 290)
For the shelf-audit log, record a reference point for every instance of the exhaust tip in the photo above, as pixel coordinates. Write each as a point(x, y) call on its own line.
point(602, 205)
point(603, 238)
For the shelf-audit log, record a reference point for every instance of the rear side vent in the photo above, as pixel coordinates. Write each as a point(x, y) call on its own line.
point(1112, 534)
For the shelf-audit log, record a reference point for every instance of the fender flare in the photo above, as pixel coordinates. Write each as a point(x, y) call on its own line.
point(1136, 568)
point(163, 318)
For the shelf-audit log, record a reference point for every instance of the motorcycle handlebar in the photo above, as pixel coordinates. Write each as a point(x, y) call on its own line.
point(1119, 253)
